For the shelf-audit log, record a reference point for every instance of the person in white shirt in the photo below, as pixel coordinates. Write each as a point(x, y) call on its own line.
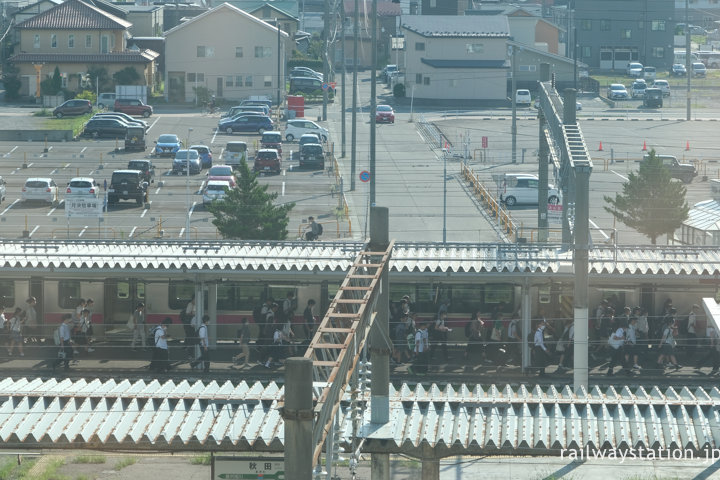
point(421, 350)
point(66, 347)
point(617, 350)
point(204, 345)
point(161, 354)
point(667, 344)
point(631, 344)
point(540, 351)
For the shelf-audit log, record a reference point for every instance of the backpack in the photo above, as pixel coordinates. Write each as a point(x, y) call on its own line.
point(151, 335)
point(319, 229)
point(56, 336)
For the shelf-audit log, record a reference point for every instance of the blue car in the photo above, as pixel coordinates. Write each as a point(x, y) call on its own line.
point(205, 155)
point(167, 145)
point(249, 123)
point(184, 159)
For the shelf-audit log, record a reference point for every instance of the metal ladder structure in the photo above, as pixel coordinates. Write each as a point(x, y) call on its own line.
point(338, 343)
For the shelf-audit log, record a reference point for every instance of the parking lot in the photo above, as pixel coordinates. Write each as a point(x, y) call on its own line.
point(170, 196)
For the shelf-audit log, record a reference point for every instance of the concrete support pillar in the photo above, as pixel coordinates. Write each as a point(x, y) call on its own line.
point(526, 325)
point(298, 417)
point(430, 469)
point(380, 466)
point(199, 303)
point(543, 154)
point(212, 312)
point(580, 299)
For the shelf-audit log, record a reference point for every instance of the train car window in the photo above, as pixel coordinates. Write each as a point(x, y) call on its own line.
point(427, 299)
point(123, 290)
point(237, 296)
point(499, 293)
point(140, 290)
point(465, 298)
point(179, 294)
point(279, 292)
point(7, 293)
point(68, 293)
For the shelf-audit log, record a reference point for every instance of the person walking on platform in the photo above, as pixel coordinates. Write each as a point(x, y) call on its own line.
point(420, 364)
point(66, 347)
point(31, 321)
point(161, 355)
point(138, 318)
point(204, 345)
point(244, 335)
point(16, 332)
point(540, 352)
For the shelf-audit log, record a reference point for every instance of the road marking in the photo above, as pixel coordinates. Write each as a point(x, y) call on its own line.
point(83, 150)
point(192, 208)
point(49, 148)
point(144, 212)
point(66, 165)
point(132, 232)
point(62, 202)
point(34, 230)
point(10, 206)
point(602, 232)
point(182, 231)
point(157, 190)
point(619, 175)
point(11, 151)
point(283, 189)
point(212, 140)
point(153, 123)
point(82, 231)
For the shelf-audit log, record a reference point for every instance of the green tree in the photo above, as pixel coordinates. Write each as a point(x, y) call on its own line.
point(247, 212)
point(650, 202)
point(52, 85)
point(126, 76)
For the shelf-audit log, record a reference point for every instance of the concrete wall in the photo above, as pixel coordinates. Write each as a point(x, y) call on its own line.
point(36, 135)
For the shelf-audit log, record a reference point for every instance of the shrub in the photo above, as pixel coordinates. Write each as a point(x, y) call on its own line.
point(399, 90)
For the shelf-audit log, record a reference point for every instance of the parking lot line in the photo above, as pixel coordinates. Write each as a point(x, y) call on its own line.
point(620, 175)
point(192, 208)
point(602, 232)
point(153, 123)
point(132, 232)
point(82, 231)
point(52, 210)
point(11, 151)
point(9, 206)
point(34, 230)
point(182, 232)
point(144, 211)
point(83, 150)
point(212, 140)
point(282, 191)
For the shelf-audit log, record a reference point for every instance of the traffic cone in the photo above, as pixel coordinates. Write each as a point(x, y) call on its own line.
point(600, 147)
point(644, 147)
point(687, 145)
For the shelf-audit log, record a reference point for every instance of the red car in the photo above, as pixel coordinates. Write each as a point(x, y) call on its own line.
point(384, 114)
point(222, 172)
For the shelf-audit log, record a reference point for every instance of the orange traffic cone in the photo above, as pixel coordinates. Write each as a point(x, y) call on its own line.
point(600, 147)
point(644, 146)
point(687, 145)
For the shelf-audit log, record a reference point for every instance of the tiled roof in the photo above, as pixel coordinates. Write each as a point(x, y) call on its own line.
point(129, 56)
point(75, 15)
point(384, 9)
point(452, 26)
point(440, 63)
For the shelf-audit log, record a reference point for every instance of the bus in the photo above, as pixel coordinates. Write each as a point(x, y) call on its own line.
point(711, 59)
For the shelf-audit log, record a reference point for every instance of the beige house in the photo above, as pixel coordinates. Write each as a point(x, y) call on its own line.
point(461, 59)
point(75, 37)
point(228, 51)
point(289, 24)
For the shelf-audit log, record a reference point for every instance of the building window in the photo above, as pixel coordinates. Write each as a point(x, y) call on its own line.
point(658, 52)
point(203, 51)
point(453, 83)
point(418, 78)
point(267, 80)
point(239, 81)
point(426, 81)
point(238, 52)
point(36, 41)
point(201, 77)
point(585, 24)
point(229, 81)
point(263, 52)
point(71, 41)
point(191, 77)
point(433, 3)
point(419, 46)
point(657, 25)
point(604, 25)
point(88, 41)
point(641, 25)
point(585, 51)
point(626, 33)
point(248, 81)
point(474, 48)
point(53, 41)
point(527, 68)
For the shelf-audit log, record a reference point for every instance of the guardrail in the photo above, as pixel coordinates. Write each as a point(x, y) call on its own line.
point(491, 204)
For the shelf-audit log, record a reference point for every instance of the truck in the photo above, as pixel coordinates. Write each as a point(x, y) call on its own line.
point(682, 171)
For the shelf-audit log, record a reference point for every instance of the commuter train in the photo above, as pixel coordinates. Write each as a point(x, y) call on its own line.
point(428, 276)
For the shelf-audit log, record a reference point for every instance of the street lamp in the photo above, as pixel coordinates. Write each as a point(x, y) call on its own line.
point(187, 186)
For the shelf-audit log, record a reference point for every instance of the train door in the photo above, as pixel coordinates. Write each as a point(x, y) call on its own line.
point(121, 297)
point(37, 291)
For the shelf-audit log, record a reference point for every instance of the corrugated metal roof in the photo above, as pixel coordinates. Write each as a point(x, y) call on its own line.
point(165, 257)
point(469, 420)
point(129, 56)
point(75, 15)
point(452, 26)
point(704, 216)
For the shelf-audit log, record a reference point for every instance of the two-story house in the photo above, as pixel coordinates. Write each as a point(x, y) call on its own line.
point(450, 58)
point(76, 37)
point(229, 52)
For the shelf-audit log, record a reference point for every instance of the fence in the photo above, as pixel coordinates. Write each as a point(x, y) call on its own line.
point(491, 204)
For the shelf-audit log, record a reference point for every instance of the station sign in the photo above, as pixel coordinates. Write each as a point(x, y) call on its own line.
point(248, 468)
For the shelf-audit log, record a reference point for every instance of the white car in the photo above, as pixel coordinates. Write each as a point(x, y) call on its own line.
point(634, 69)
point(664, 86)
point(522, 188)
point(522, 97)
point(617, 91)
point(85, 186)
point(215, 190)
point(298, 127)
point(40, 189)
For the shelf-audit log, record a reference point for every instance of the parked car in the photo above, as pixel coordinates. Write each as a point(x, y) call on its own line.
point(617, 91)
point(215, 190)
point(523, 97)
point(235, 153)
point(135, 138)
point(649, 73)
point(222, 173)
point(205, 155)
point(384, 114)
point(257, 124)
point(678, 70)
point(296, 128)
point(167, 145)
point(308, 138)
point(305, 85)
point(105, 100)
point(634, 69)
point(305, 72)
point(387, 71)
point(3, 189)
point(40, 189)
point(522, 188)
point(267, 160)
point(653, 98)
point(663, 85)
point(272, 139)
point(84, 186)
point(72, 107)
point(682, 171)
point(123, 116)
point(258, 110)
point(637, 89)
point(146, 167)
point(186, 159)
point(699, 69)
point(312, 155)
point(105, 127)
point(257, 100)
point(127, 185)
point(133, 106)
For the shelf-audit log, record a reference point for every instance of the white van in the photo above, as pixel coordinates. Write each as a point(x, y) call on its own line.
point(523, 97)
point(522, 188)
point(106, 100)
point(235, 152)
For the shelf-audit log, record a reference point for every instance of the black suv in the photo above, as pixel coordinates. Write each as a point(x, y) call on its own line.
point(145, 166)
point(127, 185)
point(312, 154)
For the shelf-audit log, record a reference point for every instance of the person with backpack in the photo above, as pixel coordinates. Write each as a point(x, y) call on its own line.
point(186, 316)
point(16, 332)
point(473, 332)
point(310, 320)
point(314, 230)
point(204, 345)
point(161, 354)
point(65, 343)
point(667, 344)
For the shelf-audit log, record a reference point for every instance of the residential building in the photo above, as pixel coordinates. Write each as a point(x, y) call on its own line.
point(147, 21)
point(704, 13)
point(527, 26)
point(272, 14)
point(388, 13)
point(227, 51)
point(450, 58)
point(612, 33)
point(528, 59)
point(76, 37)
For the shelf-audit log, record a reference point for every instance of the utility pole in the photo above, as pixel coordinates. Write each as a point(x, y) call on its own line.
point(688, 60)
point(513, 99)
point(344, 73)
point(543, 154)
point(326, 63)
point(277, 25)
point(373, 101)
point(353, 147)
point(575, 47)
